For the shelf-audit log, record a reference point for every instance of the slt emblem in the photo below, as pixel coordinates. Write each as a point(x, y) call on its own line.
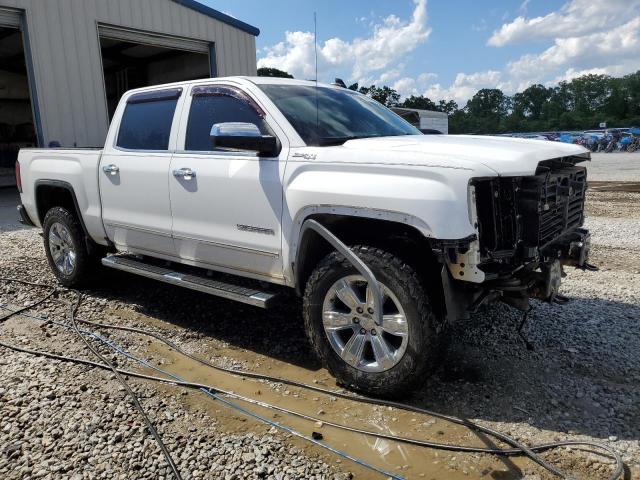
point(306, 156)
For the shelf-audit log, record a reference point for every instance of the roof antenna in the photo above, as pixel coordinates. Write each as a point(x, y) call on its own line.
point(315, 51)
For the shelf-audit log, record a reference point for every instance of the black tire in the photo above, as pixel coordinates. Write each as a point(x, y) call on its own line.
point(424, 342)
point(85, 264)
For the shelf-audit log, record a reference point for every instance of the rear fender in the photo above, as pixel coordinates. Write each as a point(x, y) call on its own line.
point(65, 196)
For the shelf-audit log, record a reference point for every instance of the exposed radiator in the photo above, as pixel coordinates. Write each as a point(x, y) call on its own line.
point(518, 216)
point(551, 204)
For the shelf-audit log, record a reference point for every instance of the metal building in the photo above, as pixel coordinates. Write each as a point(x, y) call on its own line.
point(65, 63)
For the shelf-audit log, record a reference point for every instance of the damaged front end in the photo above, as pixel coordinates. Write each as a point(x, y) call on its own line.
point(528, 230)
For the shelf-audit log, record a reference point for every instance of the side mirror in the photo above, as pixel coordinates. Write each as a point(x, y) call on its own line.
point(243, 136)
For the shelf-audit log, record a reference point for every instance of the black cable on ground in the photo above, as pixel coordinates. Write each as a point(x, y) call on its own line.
point(32, 305)
point(71, 317)
point(505, 452)
point(523, 449)
point(517, 450)
point(134, 397)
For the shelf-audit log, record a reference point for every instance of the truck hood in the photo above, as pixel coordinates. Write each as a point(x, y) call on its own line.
point(504, 155)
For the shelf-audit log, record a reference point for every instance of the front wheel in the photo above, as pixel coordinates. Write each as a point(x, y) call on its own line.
point(387, 360)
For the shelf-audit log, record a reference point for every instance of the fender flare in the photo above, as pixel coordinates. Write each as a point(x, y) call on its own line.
point(298, 234)
point(91, 244)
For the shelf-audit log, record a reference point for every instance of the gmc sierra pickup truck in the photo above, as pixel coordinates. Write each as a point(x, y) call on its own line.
point(243, 187)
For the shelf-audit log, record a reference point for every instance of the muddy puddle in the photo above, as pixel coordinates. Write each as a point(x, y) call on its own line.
point(399, 459)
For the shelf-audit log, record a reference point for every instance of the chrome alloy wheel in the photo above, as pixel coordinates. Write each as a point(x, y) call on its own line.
point(348, 320)
point(62, 250)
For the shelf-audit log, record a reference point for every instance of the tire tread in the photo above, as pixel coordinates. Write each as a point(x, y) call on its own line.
point(82, 274)
point(393, 266)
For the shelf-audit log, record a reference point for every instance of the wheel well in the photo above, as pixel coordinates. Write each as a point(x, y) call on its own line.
point(49, 196)
point(404, 241)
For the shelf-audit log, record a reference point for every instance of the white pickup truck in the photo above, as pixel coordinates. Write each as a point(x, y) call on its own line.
point(241, 187)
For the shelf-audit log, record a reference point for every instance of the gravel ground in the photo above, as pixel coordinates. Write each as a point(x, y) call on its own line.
point(51, 429)
point(59, 420)
point(580, 382)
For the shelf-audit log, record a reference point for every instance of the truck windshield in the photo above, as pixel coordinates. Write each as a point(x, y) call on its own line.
point(340, 115)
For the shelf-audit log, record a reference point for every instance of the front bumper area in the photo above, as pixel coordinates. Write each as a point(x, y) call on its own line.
point(542, 279)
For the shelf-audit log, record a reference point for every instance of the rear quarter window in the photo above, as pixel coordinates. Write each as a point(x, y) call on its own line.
point(147, 125)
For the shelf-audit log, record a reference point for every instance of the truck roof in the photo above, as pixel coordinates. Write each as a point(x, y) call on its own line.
point(238, 79)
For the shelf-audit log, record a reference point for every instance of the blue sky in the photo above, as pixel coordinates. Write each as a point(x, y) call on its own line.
point(445, 49)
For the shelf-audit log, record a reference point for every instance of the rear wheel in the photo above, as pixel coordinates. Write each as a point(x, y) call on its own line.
point(385, 360)
point(66, 248)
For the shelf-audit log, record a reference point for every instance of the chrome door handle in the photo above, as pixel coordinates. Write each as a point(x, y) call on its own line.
point(184, 173)
point(111, 169)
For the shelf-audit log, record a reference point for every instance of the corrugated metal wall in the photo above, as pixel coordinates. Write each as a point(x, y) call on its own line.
point(67, 61)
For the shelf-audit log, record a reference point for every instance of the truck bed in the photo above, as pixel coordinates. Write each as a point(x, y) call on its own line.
point(74, 168)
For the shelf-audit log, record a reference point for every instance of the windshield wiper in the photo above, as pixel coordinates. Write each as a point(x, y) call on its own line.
point(332, 141)
point(328, 141)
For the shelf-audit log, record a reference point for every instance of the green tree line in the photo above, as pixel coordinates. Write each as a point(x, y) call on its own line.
point(581, 103)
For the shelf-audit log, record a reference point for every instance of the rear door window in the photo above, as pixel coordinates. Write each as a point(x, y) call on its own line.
point(147, 119)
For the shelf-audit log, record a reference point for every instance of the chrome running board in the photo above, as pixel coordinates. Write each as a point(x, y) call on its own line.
point(203, 284)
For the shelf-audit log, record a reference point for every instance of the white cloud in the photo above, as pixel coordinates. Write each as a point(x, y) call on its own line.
point(586, 36)
point(295, 55)
point(408, 86)
point(574, 19)
point(387, 77)
point(464, 86)
point(357, 59)
point(583, 36)
point(617, 46)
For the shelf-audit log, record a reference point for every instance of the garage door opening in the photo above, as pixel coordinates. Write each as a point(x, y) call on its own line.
point(16, 116)
point(130, 65)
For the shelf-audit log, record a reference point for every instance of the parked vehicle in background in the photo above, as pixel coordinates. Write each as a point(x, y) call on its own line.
point(611, 144)
point(591, 141)
point(553, 136)
point(243, 187)
point(625, 140)
point(531, 136)
point(604, 140)
point(635, 143)
point(567, 137)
